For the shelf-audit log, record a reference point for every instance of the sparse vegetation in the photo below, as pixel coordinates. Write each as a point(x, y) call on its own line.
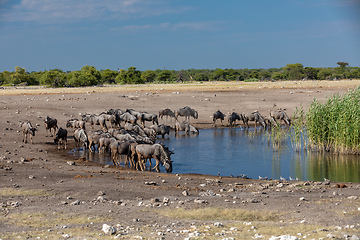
point(207, 214)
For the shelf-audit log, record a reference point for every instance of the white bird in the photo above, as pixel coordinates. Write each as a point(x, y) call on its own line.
point(291, 179)
point(326, 180)
point(263, 178)
point(297, 179)
point(282, 179)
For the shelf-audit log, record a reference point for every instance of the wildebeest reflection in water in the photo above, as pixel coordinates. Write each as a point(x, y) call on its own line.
point(232, 152)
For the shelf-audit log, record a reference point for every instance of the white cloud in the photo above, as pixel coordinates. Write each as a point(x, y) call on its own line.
point(54, 11)
point(198, 26)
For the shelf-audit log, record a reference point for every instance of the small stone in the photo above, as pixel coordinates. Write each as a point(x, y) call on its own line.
point(218, 224)
point(77, 202)
point(185, 193)
point(108, 230)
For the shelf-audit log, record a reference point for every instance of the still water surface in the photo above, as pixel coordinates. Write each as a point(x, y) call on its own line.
point(226, 152)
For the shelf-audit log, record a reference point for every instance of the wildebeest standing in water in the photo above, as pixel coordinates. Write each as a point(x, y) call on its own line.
point(80, 137)
point(256, 117)
point(61, 137)
point(184, 126)
point(50, 123)
point(27, 129)
point(281, 115)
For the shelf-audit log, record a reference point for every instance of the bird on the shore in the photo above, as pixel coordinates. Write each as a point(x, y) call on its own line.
point(282, 179)
point(327, 180)
point(263, 178)
point(291, 179)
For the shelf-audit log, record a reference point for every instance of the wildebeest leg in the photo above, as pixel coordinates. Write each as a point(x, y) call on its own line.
point(140, 162)
point(157, 165)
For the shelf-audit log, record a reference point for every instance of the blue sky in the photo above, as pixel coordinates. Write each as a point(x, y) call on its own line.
point(178, 34)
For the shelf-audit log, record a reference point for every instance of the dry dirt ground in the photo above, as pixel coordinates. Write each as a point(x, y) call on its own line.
point(48, 193)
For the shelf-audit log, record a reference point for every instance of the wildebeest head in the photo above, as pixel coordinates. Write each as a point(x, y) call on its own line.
point(33, 130)
point(168, 163)
point(196, 114)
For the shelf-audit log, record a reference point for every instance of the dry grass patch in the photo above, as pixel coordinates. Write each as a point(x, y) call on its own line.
point(212, 214)
point(49, 220)
point(7, 192)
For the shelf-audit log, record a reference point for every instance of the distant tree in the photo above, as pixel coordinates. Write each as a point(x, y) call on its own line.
point(182, 76)
point(165, 76)
point(264, 75)
point(294, 71)
point(311, 73)
point(148, 76)
point(231, 74)
point(19, 76)
point(6, 77)
point(201, 76)
point(278, 76)
point(131, 76)
point(341, 70)
point(54, 78)
point(324, 74)
point(254, 74)
point(88, 76)
point(108, 76)
point(218, 75)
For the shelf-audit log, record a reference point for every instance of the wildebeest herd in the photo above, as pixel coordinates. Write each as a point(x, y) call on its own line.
point(129, 136)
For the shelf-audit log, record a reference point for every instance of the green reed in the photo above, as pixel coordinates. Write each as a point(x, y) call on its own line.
point(334, 126)
point(276, 137)
point(298, 131)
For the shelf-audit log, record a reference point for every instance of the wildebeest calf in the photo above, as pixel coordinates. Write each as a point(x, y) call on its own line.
point(61, 136)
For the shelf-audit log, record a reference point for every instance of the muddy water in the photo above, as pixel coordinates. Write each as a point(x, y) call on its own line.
point(232, 152)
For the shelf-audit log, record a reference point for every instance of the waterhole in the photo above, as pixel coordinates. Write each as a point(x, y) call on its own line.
point(237, 152)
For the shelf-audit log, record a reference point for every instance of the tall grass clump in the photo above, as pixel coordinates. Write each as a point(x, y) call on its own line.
point(298, 133)
point(334, 126)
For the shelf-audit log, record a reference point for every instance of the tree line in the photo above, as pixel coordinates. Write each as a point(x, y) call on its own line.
point(90, 76)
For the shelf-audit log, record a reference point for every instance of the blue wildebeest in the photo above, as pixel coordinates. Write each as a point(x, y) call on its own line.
point(50, 123)
point(75, 123)
point(281, 115)
point(256, 117)
point(218, 115)
point(184, 126)
point(187, 112)
point(27, 129)
point(80, 137)
point(61, 136)
point(233, 117)
point(168, 113)
point(95, 120)
point(157, 151)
